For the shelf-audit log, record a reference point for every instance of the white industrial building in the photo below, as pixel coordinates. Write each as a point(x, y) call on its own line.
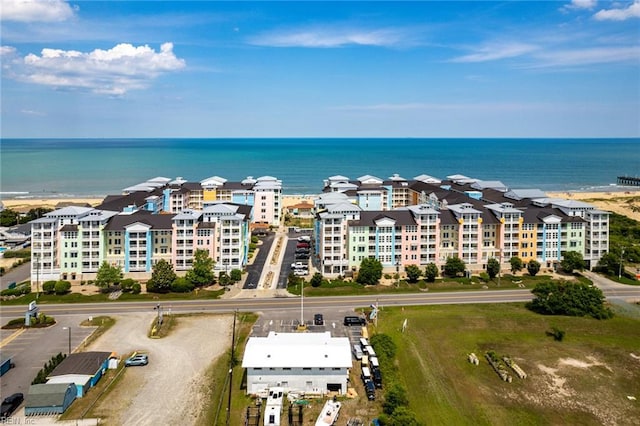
point(298, 362)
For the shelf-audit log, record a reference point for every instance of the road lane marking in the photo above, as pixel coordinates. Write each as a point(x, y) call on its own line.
point(12, 337)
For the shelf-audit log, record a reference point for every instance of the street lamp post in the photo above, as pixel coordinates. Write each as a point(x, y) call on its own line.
point(69, 330)
point(620, 266)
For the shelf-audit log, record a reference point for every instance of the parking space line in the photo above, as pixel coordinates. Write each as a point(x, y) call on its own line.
point(12, 337)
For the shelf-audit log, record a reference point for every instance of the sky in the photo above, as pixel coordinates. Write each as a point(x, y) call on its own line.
point(203, 69)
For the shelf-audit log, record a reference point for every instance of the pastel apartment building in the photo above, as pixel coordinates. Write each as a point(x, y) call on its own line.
point(134, 231)
point(467, 218)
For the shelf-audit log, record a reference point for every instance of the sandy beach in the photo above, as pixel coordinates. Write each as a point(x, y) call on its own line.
point(622, 202)
point(626, 203)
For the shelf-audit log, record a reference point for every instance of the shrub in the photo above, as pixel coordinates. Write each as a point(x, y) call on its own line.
point(557, 334)
point(316, 280)
point(18, 291)
point(48, 287)
point(22, 254)
point(62, 287)
point(572, 299)
point(484, 277)
point(182, 285)
point(384, 346)
point(136, 288)
point(127, 284)
point(236, 275)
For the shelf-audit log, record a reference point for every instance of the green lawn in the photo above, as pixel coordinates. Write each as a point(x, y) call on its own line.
point(445, 389)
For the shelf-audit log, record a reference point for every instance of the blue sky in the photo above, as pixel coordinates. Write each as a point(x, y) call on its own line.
point(320, 69)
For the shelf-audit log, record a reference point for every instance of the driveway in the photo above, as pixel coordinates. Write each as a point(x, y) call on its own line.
point(254, 270)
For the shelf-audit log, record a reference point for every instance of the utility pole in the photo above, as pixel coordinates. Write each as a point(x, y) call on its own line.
point(231, 362)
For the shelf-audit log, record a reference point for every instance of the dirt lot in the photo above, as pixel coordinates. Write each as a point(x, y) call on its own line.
point(167, 390)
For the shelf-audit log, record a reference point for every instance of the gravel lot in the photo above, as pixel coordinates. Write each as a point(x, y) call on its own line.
point(169, 390)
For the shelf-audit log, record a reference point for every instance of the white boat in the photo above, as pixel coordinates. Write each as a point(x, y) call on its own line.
point(274, 407)
point(329, 413)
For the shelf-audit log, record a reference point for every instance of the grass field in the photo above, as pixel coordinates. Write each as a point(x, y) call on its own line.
point(585, 379)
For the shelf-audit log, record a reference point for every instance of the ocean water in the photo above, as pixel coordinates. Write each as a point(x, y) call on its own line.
point(84, 167)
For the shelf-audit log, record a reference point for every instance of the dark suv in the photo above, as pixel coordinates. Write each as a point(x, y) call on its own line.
point(353, 320)
point(370, 388)
point(318, 319)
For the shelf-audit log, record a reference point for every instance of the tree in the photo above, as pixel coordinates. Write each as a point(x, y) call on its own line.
point(395, 397)
point(201, 273)
point(370, 271)
point(516, 264)
point(8, 217)
point(33, 214)
point(108, 275)
point(493, 267)
point(609, 264)
point(454, 267)
point(533, 267)
point(162, 276)
point(236, 275)
point(62, 287)
point(572, 260)
point(316, 280)
point(431, 272)
point(413, 273)
point(401, 416)
point(572, 299)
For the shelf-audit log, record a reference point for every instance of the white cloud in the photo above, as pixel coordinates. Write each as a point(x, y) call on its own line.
point(633, 11)
point(591, 56)
point(332, 37)
point(420, 106)
point(36, 10)
point(497, 52)
point(581, 4)
point(7, 50)
point(115, 71)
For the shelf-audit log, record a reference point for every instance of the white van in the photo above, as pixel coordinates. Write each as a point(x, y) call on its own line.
point(366, 374)
point(374, 363)
point(369, 350)
point(357, 352)
point(364, 342)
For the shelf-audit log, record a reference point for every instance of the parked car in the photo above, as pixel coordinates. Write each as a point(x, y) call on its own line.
point(136, 360)
point(357, 352)
point(370, 388)
point(318, 319)
point(298, 265)
point(302, 250)
point(302, 256)
point(377, 377)
point(353, 320)
point(304, 239)
point(300, 272)
point(302, 245)
point(10, 404)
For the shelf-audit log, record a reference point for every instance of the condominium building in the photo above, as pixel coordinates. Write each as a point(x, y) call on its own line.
point(426, 220)
point(71, 243)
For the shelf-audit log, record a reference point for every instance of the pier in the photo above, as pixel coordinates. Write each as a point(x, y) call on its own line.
point(628, 181)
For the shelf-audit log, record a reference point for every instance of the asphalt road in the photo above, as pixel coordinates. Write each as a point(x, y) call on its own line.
point(254, 270)
point(282, 303)
point(18, 274)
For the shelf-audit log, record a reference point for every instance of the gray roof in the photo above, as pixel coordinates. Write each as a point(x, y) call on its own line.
point(369, 218)
point(84, 363)
point(156, 221)
point(47, 394)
